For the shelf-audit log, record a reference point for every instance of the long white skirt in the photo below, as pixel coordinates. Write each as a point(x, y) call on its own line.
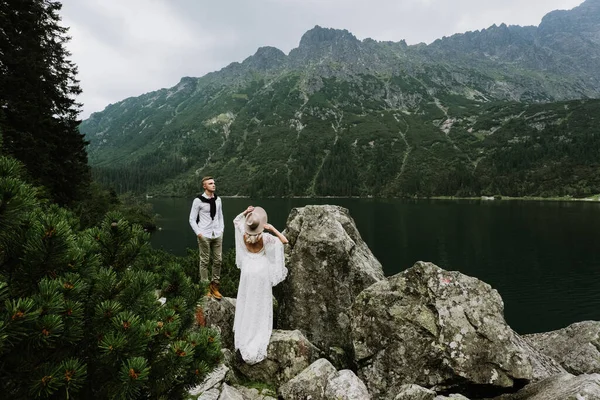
point(253, 322)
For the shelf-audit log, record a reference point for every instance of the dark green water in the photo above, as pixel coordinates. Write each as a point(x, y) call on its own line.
point(542, 257)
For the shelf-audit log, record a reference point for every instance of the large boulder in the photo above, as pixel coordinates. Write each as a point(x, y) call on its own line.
point(576, 347)
point(560, 387)
point(289, 353)
point(441, 330)
point(329, 265)
point(321, 381)
point(345, 385)
point(310, 383)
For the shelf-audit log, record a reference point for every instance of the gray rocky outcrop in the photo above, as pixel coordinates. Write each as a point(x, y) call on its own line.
point(345, 385)
point(221, 383)
point(441, 330)
point(214, 380)
point(289, 353)
point(560, 387)
point(229, 360)
point(220, 314)
point(329, 265)
point(230, 393)
point(310, 383)
point(422, 331)
point(576, 347)
point(212, 394)
point(321, 381)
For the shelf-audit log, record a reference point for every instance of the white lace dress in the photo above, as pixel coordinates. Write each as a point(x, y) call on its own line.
point(260, 271)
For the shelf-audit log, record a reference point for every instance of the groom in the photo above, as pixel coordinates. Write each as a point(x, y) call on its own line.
point(206, 219)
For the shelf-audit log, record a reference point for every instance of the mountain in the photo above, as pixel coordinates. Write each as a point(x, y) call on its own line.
point(507, 109)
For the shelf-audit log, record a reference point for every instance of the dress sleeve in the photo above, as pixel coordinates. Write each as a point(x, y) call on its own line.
point(275, 258)
point(240, 248)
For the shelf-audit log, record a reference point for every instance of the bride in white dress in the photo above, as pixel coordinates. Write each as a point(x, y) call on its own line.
point(261, 261)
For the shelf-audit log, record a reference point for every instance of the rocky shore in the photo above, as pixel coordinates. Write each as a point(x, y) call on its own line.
point(345, 332)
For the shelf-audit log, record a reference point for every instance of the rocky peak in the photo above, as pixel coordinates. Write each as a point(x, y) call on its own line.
point(582, 19)
point(186, 82)
point(575, 34)
point(501, 40)
point(321, 46)
point(586, 8)
point(265, 58)
point(269, 52)
point(318, 36)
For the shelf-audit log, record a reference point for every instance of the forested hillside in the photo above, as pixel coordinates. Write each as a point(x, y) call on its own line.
point(505, 110)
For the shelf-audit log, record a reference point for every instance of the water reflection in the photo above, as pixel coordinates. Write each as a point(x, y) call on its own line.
point(540, 256)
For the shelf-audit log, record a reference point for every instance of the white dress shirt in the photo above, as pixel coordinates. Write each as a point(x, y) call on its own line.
point(208, 227)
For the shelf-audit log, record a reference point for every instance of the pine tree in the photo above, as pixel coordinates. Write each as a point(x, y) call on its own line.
point(38, 85)
point(80, 315)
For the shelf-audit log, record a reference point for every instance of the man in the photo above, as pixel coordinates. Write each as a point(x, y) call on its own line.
point(206, 219)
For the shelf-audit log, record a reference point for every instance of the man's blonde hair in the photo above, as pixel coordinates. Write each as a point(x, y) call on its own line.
point(206, 178)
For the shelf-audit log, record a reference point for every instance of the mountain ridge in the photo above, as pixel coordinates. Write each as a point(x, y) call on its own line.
point(318, 31)
point(333, 102)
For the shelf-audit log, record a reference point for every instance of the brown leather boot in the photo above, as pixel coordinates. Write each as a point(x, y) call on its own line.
point(214, 290)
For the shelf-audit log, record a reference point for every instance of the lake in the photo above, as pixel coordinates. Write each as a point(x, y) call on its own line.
point(542, 257)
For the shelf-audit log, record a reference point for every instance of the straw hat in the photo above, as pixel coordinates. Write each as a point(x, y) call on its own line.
point(255, 221)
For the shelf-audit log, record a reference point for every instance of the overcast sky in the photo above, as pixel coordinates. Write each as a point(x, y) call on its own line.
point(126, 48)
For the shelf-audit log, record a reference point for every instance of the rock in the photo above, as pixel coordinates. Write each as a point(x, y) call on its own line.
point(440, 330)
point(321, 381)
point(560, 387)
point(255, 394)
point(213, 380)
point(228, 357)
point(212, 394)
point(219, 315)
point(451, 397)
point(345, 385)
point(229, 361)
point(230, 393)
point(414, 392)
point(576, 347)
point(310, 383)
point(339, 357)
point(223, 373)
point(329, 265)
point(289, 353)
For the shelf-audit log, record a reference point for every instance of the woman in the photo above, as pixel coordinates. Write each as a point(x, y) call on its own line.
point(260, 258)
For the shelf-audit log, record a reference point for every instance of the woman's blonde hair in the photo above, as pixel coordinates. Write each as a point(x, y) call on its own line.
point(251, 239)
